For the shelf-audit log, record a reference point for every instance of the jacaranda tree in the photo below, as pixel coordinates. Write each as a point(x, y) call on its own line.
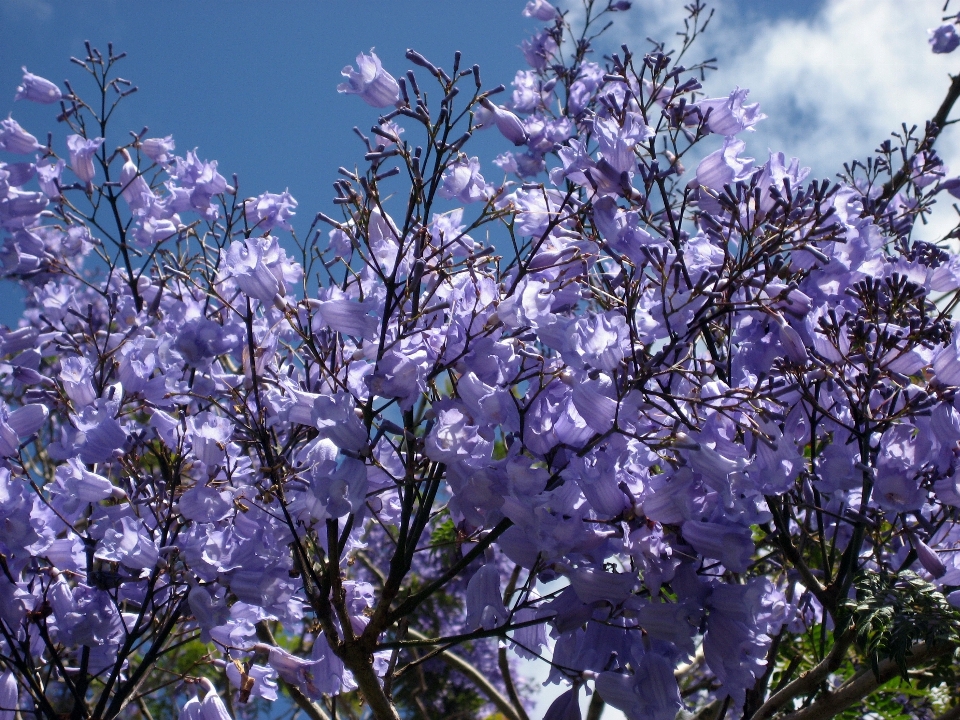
point(687, 436)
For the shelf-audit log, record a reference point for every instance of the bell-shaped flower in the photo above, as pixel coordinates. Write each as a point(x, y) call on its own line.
point(792, 344)
point(14, 139)
point(928, 558)
point(485, 608)
point(592, 586)
point(539, 49)
point(509, 125)
point(455, 435)
point(401, 373)
point(129, 544)
point(256, 681)
point(9, 696)
point(245, 262)
point(567, 704)
point(593, 401)
point(347, 315)
point(719, 168)
point(209, 609)
point(133, 187)
point(37, 89)
point(75, 487)
point(601, 340)
point(20, 423)
point(48, 178)
point(209, 435)
point(160, 150)
point(729, 116)
point(651, 693)
point(370, 81)
point(617, 142)
point(76, 375)
point(99, 432)
point(82, 151)
point(336, 418)
point(944, 39)
point(462, 180)
point(295, 671)
point(540, 10)
point(529, 640)
point(270, 210)
point(191, 710)
point(213, 708)
point(946, 364)
point(732, 545)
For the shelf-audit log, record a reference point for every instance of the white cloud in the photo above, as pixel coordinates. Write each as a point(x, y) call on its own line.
point(836, 85)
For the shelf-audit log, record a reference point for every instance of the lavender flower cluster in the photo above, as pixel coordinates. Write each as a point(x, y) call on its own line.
point(652, 427)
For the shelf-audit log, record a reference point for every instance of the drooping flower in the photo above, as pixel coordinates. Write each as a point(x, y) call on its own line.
point(485, 608)
point(82, 151)
point(729, 116)
point(463, 181)
point(37, 89)
point(540, 9)
point(160, 150)
point(15, 139)
point(370, 81)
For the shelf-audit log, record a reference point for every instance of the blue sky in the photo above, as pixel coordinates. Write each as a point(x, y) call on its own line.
point(253, 84)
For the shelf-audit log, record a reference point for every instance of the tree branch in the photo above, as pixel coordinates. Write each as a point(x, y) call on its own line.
point(934, 128)
point(808, 681)
point(864, 683)
point(466, 669)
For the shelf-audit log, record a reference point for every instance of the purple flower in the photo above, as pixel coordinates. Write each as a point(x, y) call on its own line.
point(20, 423)
point(9, 696)
point(133, 187)
point(944, 39)
point(48, 177)
point(160, 150)
point(732, 545)
point(75, 487)
point(651, 693)
point(347, 316)
point(15, 139)
point(129, 544)
point(617, 142)
point(507, 123)
point(99, 432)
point(213, 708)
point(37, 89)
point(566, 706)
point(246, 262)
point(539, 49)
point(541, 10)
point(462, 180)
point(209, 434)
point(82, 151)
point(370, 81)
point(729, 116)
point(928, 558)
point(485, 608)
point(270, 210)
point(258, 681)
point(719, 168)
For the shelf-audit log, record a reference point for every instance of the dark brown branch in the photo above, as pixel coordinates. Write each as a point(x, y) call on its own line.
point(934, 128)
point(808, 681)
point(864, 683)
